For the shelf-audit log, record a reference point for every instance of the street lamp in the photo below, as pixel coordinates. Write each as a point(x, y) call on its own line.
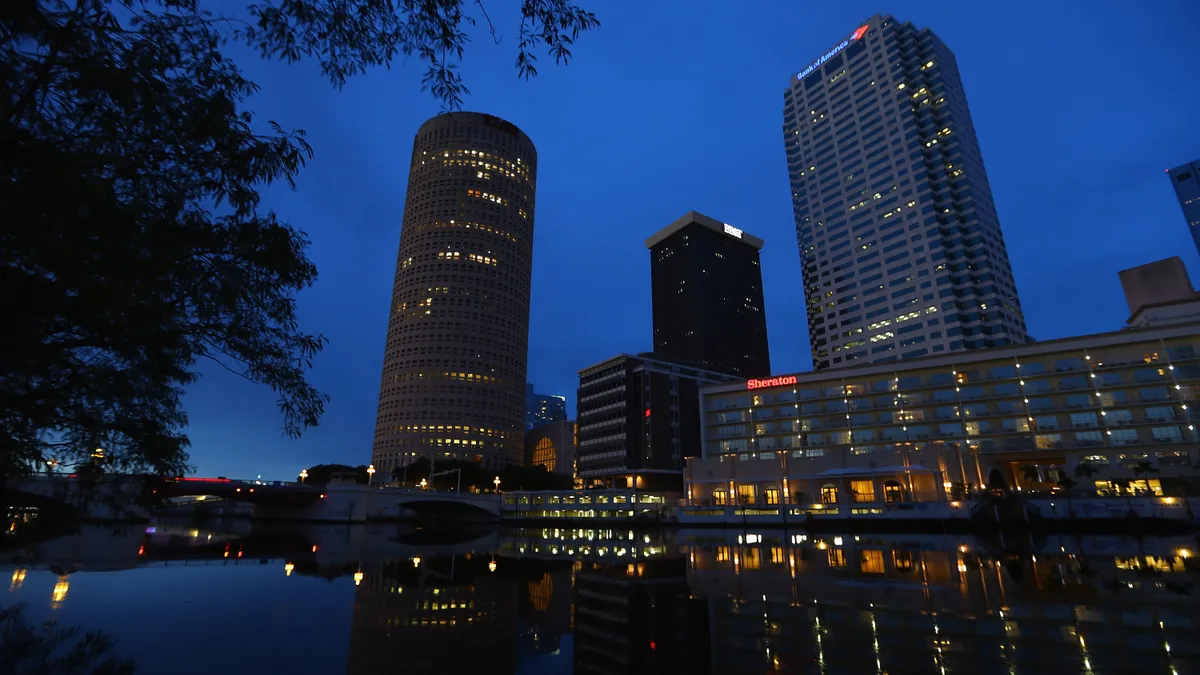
point(492, 565)
point(287, 569)
point(358, 577)
point(424, 484)
point(496, 482)
point(303, 474)
point(370, 473)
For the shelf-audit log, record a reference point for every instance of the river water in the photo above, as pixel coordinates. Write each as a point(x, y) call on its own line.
point(193, 598)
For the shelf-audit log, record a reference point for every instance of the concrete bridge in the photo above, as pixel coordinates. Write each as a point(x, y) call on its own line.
point(124, 497)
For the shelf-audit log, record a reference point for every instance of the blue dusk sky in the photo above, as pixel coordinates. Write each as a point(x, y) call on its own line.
point(675, 106)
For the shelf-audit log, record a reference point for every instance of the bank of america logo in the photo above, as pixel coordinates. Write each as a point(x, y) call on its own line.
point(832, 52)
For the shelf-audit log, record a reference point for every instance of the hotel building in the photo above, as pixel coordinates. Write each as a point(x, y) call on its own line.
point(453, 384)
point(900, 244)
point(707, 291)
point(873, 437)
point(638, 420)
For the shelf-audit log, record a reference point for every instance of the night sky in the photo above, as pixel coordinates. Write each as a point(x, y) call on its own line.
point(673, 106)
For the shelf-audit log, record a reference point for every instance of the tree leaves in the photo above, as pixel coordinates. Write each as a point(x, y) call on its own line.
point(132, 245)
point(348, 37)
point(47, 648)
point(133, 248)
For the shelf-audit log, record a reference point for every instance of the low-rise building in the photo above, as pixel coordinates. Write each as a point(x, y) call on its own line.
point(638, 420)
point(1120, 404)
point(552, 445)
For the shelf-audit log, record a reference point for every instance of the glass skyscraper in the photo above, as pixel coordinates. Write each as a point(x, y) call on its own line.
point(900, 244)
point(1186, 181)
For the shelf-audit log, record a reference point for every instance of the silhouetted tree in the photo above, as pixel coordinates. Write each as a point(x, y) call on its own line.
point(1068, 486)
point(321, 474)
point(133, 247)
point(46, 649)
point(1086, 472)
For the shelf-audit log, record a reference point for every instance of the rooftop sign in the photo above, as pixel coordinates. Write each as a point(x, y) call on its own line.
point(862, 30)
point(771, 382)
point(732, 231)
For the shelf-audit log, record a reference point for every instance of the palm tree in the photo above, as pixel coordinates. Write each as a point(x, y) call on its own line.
point(1030, 473)
point(1068, 486)
point(1144, 468)
point(1085, 471)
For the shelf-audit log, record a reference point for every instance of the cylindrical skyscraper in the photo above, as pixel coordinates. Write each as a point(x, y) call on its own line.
point(454, 366)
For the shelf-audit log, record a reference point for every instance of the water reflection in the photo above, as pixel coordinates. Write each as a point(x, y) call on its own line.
point(393, 599)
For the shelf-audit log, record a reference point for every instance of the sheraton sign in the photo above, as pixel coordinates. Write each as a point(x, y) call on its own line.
point(771, 382)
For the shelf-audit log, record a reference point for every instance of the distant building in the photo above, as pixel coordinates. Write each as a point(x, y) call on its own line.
point(638, 420)
point(542, 408)
point(707, 290)
point(900, 243)
point(1159, 292)
point(1186, 181)
point(552, 445)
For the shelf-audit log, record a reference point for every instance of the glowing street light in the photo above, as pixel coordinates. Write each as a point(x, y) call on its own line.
point(358, 577)
point(417, 562)
point(424, 484)
point(492, 565)
point(287, 569)
point(496, 482)
point(370, 473)
point(303, 475)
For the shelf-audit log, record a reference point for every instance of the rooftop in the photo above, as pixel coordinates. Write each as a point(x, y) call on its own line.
point(700, 219)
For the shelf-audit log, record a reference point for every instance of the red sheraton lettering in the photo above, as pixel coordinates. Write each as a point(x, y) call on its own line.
point(771, 382)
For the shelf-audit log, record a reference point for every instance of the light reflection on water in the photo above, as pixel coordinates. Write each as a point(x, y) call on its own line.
point(369, 600)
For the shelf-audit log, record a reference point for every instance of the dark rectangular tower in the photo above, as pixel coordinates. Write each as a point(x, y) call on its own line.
point(706, 285)
point(899, 239)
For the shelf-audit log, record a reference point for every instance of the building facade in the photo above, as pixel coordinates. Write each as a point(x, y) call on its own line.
point(1186, 181)
point(458, 334)
point(1159, 292)
point(543, 408)
point(900, 244)
point(1122, 403)
point(552, 445)
point(707, 290)
point(638, 420)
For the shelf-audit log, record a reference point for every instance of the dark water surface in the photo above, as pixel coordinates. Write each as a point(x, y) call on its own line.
point(368, 600)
